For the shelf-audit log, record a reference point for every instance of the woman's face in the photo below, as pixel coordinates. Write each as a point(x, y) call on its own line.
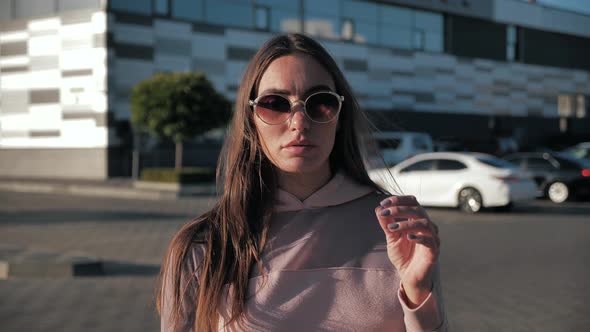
point(298, 145)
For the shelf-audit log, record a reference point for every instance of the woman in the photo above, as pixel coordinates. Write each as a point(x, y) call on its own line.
point(301, 238)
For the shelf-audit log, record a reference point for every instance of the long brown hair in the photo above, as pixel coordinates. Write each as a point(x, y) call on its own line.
point(235, 230)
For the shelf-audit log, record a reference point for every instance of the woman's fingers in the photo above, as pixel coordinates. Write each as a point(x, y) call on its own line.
point(399, 200)
point(404, 212)
point(426, 240)
point(411, 226)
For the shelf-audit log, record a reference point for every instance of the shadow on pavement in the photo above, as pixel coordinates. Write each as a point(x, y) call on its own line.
point(112, 268)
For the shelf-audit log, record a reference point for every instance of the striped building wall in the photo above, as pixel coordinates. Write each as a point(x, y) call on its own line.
point(53, 96)
point(384, 79)
point(59, 102)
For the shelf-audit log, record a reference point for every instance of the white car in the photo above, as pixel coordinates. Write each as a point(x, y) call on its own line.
point(470, 181)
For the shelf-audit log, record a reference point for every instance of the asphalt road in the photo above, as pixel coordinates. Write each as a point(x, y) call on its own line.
point(527, 270)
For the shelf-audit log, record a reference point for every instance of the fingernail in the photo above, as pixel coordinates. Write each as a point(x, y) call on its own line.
point(412, 237)
point(393, 226)
point(385, 213)
point(385, 202)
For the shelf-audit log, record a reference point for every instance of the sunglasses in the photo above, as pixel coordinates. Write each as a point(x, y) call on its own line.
point(320, 107)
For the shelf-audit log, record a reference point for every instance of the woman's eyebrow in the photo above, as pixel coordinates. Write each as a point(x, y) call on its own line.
point(315, 88)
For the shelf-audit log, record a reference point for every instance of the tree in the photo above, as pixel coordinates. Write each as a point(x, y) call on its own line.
point(178, 106)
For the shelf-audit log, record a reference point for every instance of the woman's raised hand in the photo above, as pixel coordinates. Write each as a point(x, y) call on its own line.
point(412, 244)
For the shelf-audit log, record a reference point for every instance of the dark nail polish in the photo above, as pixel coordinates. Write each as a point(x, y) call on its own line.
point(385, 213)
point(393, 226)
point(412, 237)
point(385, 202)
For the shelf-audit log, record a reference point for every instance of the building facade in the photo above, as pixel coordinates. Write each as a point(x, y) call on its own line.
point(461, 70)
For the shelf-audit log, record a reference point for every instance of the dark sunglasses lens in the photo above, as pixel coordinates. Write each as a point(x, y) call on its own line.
point(273, 108)
point(323, 107)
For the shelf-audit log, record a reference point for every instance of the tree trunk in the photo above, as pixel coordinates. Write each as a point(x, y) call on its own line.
point(178, 157)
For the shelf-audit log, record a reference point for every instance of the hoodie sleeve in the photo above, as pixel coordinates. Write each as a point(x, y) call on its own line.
point(429, 315)
point(189, 283)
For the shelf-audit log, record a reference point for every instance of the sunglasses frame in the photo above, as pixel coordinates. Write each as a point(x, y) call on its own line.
point(254, 102)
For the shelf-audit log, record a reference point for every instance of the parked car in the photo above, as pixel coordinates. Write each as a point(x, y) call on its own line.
point(468, 180)
point(581, 150)
point(398, 146)
point(559, 176)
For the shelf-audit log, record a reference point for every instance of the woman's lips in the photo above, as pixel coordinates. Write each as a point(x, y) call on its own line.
point(298, 149)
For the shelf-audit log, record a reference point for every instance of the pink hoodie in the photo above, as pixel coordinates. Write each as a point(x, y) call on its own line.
point(326, 269)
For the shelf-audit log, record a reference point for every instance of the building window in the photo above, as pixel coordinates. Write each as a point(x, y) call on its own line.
point(230, 13)
point(161, 7)
point(419, 40)
point(262, 17)
point(137, 7)
point(188, 9)
point(511, 43)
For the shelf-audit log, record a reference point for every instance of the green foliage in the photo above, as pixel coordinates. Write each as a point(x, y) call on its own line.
point(185, 175)
point(178, 106)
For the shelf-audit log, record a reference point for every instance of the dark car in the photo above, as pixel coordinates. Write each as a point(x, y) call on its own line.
point(559, 176)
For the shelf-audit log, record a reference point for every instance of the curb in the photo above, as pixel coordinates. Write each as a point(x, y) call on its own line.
point(19, 263)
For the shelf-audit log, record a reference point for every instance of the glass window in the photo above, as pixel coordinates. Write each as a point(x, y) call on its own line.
point(519, 161)
point(284, 20)
point(570, 163)
point(424, 165)
point(188, 9)
point(389, 143)
point(262, 15)
point(139, 7)
point(327, 7)
point(283, 4)
point(496, 162)
point(450, 165)
point(161, 7)
point(539, 164)
point(393, 15)
point(428, 29)
point(322, 21)
point(433, 41)
point(362, 11)
point(395, 36)
point(322, 26)
point(420, 143)
point(428, 21)
point(419, 39)
point(511, 43)
point(365, 32)
point(230, 13)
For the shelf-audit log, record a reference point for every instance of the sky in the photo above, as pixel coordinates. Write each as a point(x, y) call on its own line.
point(582, 6)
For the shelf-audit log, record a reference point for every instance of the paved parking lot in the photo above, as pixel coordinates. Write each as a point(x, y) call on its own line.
point(526, 270)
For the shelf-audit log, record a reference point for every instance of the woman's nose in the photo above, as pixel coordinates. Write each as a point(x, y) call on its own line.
point(299, 120)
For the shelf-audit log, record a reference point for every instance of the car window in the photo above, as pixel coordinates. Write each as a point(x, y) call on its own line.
point(392, 143)
point(539, 164)
point(423, 165)
point(518, 161)
point(568, 164)
point(497, 162)
point(420, 143)
point(449, 165)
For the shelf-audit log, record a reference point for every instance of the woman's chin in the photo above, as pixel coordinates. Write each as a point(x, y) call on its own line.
point(301, 167)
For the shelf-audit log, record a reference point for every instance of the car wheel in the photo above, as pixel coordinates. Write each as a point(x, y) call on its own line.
point(558, 192)
point(470, 200)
